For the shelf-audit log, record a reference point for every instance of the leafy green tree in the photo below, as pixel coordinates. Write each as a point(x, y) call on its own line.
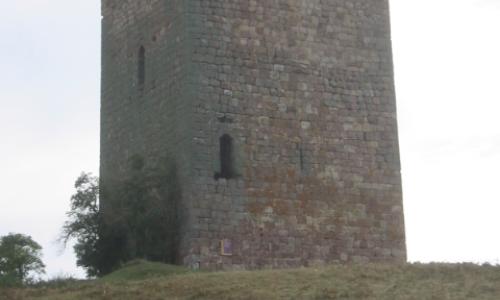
point(20, 257)
point(138, 221)
point(83, 223)
point(143, 221)
point(149, 198)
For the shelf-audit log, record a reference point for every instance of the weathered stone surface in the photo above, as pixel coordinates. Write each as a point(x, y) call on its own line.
point(305, 89)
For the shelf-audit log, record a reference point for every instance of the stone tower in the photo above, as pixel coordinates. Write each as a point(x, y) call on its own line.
point(280, 118)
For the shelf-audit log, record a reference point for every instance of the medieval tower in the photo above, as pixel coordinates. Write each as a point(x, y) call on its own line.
point(280, 119)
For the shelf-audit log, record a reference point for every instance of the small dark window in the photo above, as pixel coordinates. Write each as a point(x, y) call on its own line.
point(227, 169)
point(301, 158)
point(141, 71)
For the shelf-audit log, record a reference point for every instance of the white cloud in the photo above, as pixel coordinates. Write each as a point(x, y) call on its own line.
point(446, 73)
point(49, 121)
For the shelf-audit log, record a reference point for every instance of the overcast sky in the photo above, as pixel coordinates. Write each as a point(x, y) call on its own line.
point(447, 61)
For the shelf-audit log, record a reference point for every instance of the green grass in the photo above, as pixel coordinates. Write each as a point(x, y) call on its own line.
point(141, 280)
point(141, 270)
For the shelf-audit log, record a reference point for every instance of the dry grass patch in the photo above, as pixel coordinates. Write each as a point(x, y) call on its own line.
point(436, 281)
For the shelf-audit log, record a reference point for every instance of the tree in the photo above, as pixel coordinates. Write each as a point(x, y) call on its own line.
point(143, 221)
point(83, 223)
point(20, 256)
point(141, 224)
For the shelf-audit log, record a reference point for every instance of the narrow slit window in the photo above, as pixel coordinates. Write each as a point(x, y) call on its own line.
point(301, 158)
point(141, 71)
point(227, 169)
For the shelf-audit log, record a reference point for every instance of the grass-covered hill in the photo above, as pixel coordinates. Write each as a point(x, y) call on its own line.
point(142, 280)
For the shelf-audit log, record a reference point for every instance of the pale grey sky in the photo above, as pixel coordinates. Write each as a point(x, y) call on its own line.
point(447, 64)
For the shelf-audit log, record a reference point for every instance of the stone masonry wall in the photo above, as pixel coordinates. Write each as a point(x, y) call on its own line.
point(152, 121)
point(304, 87)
